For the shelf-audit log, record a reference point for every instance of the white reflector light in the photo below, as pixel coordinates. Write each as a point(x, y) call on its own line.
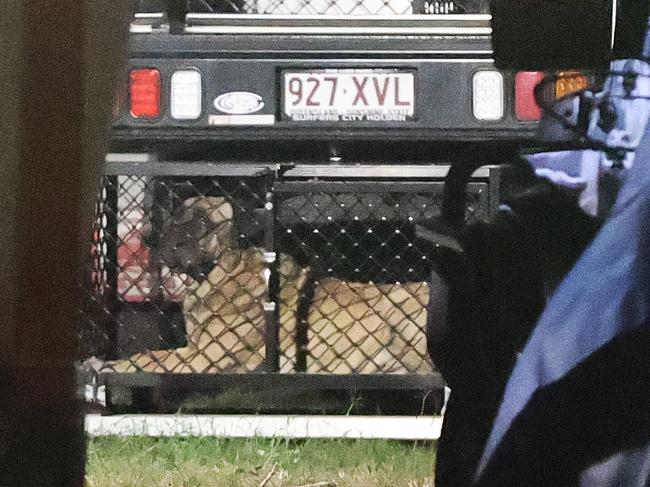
point(186, 95)
point(488, 95)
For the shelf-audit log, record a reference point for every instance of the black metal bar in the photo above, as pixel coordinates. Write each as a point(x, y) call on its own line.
point(299, 187)
point(176, 12)
point(203, 382)
point(157, 215)
point(453, 198)
point(145, 399)
point(187, 169)
point(132, 138)
point(112, 303)
point(296, 170)
point(272, 307)
point(495, 189)
point(302, 321)
point(358, 187)
point(190, 45)
point(376, 171)
point(157, 212)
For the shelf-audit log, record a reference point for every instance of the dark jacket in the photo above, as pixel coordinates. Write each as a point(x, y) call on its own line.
point(497, 290)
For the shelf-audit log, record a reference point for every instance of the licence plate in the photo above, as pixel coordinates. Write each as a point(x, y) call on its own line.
point(338, 95)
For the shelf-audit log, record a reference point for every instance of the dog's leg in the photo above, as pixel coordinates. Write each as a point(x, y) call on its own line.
point(302, 319)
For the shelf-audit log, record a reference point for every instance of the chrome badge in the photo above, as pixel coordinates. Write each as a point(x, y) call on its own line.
point(239, 103)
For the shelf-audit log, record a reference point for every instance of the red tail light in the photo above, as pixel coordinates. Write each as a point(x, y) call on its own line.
point(526, 107)
point(144, 91)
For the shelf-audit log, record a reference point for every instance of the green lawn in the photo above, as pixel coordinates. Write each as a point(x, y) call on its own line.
point(194, 462)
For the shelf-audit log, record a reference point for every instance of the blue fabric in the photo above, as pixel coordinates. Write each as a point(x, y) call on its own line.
point(630, 468)
point(581, 170)
point(607, 293)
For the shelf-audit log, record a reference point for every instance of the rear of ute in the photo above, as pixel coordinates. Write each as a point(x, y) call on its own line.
point(393, 82)
point(275, 70)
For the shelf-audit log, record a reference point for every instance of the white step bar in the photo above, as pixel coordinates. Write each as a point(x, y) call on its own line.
point(249, 426)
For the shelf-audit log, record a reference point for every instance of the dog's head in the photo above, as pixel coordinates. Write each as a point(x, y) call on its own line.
point(196, 234)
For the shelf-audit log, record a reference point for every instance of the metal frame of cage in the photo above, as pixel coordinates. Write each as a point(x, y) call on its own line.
point(320, 8)
point(147, 389)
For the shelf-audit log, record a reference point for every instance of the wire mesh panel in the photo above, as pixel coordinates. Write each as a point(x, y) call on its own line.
point(96, 333)
point(185, 274)
point(330, 7)
point(339, 7)
point(363, 300)
point(187, 288)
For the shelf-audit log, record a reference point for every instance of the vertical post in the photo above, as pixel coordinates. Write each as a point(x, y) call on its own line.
point(272, 306)
point(111, 303)
point(495, 175)
point(54, 54)
point(453, 196)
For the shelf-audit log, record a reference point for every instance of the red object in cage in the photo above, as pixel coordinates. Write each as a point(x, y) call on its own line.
point(134, 281)
point(132, 252)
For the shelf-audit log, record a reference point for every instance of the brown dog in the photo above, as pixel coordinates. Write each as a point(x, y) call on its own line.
point(354, 327)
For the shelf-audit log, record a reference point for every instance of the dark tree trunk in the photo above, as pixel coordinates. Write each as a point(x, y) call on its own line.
point(50, 167)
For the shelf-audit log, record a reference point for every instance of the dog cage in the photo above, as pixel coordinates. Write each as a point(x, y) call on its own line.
point(204, 276)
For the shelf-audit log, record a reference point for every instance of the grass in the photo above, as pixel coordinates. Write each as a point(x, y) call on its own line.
point(214, 462)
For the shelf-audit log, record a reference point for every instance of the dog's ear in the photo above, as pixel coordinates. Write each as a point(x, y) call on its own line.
point(216, 209)
point(185, 213)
